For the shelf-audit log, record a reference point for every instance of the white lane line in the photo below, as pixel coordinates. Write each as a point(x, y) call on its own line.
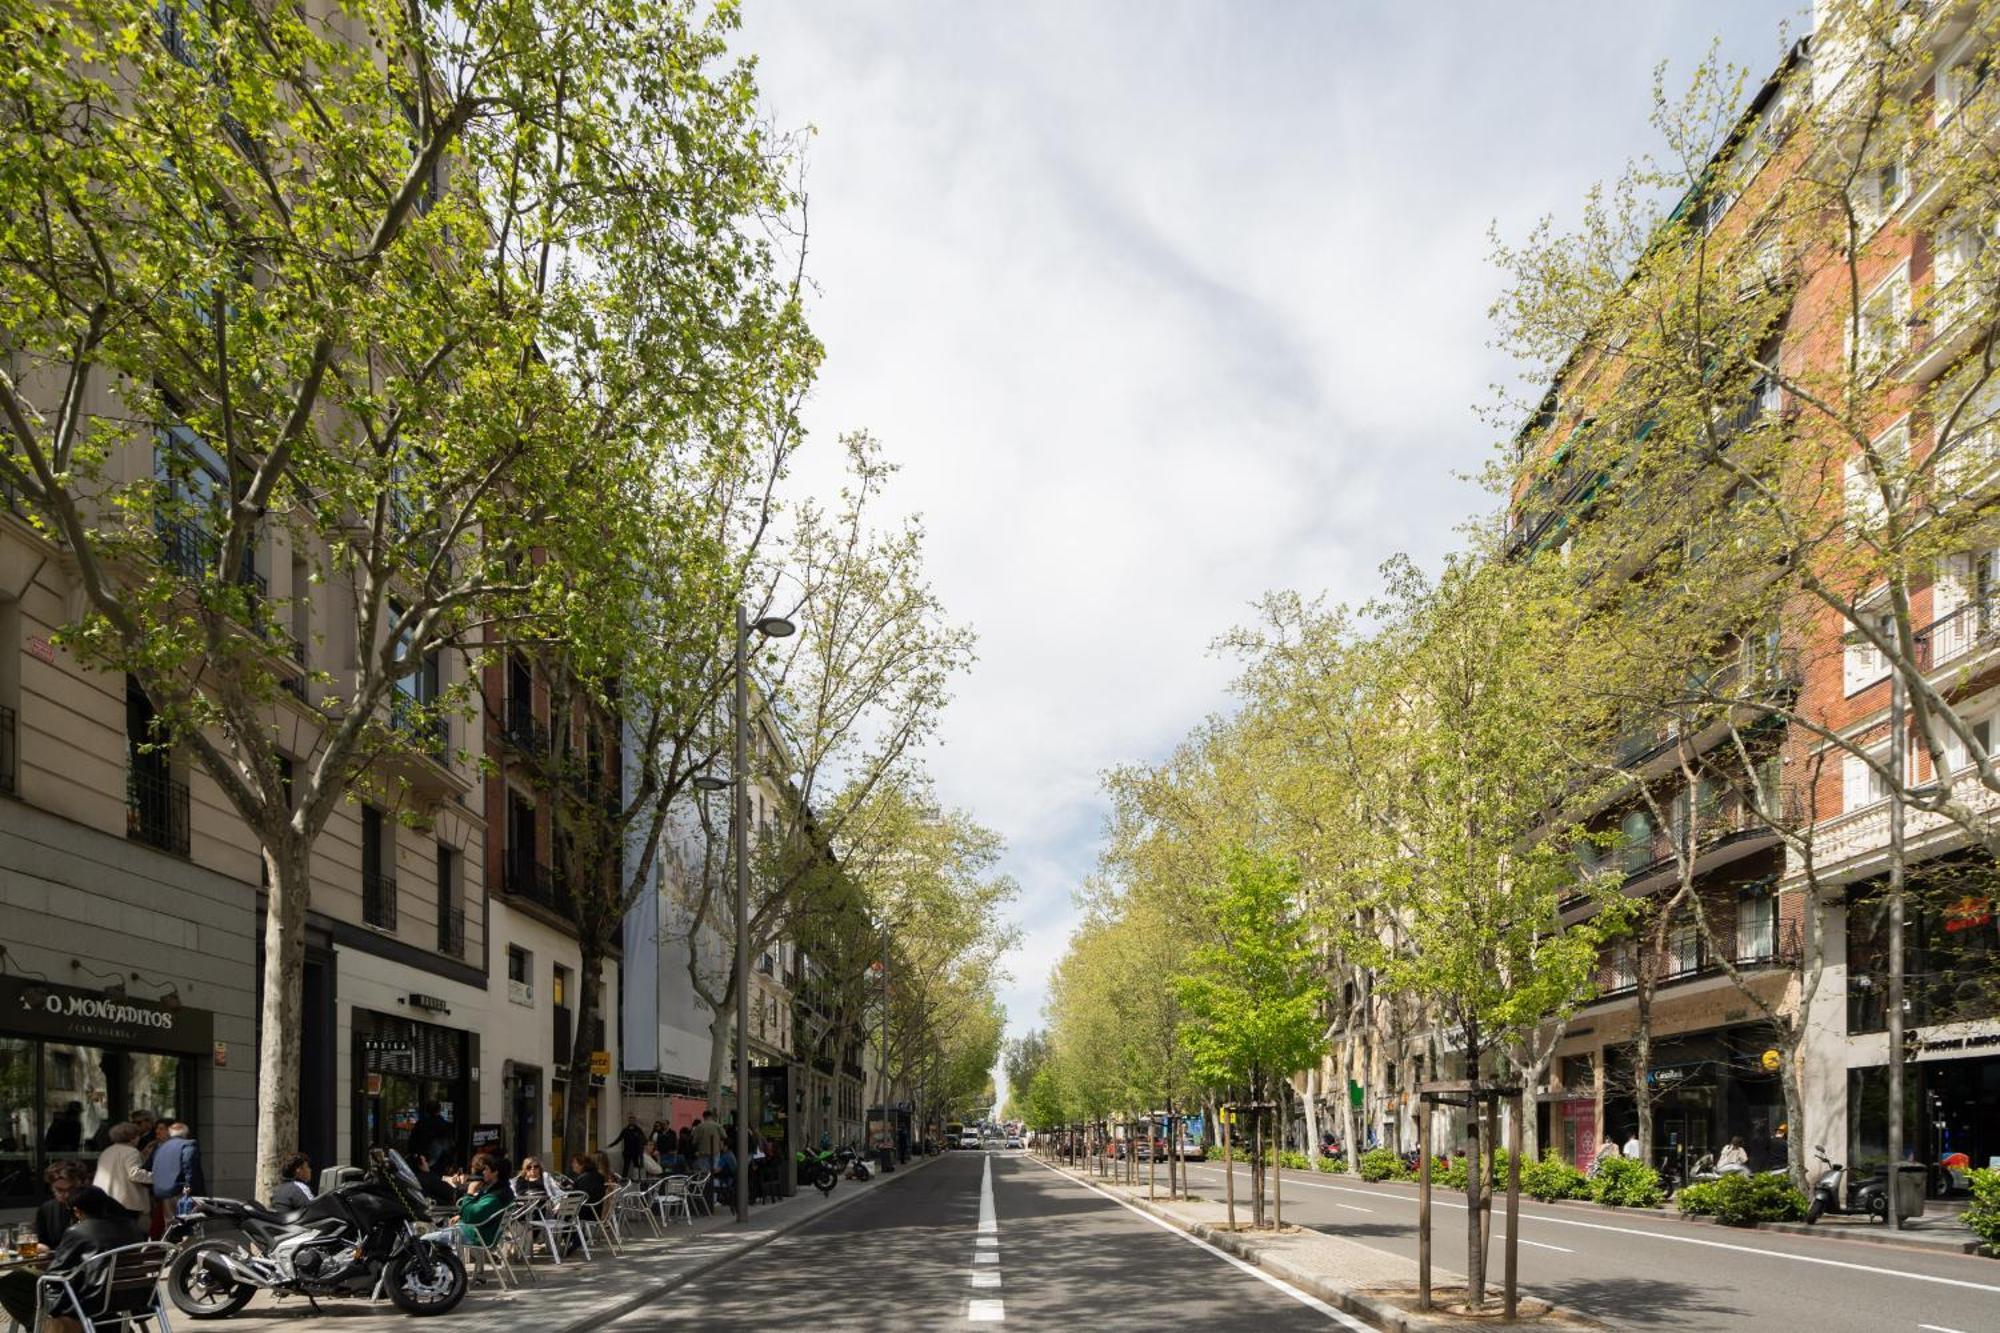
point(1540, 1245)
point(988, 1226)
point(1352, 1207)
point(1306, 1299)
point(1938, 1328)
point(986, 1245)
point(1708, 1244)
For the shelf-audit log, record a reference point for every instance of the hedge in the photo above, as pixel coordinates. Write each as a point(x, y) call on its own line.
point(1739, 1200)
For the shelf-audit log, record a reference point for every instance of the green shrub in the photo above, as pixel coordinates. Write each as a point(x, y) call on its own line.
point(1294, 1161)
point(1623, 1182)
point(1739, 1201)
point(1553, 1178)
point(1382, 1164)
point(1983, 1216)
point(1451, 1177)
point(1332, 1165)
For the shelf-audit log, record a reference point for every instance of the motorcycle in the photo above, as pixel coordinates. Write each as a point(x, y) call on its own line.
point(857, 1165)
point(1832, 1193)
point(371, 1237)
point(818, 1170)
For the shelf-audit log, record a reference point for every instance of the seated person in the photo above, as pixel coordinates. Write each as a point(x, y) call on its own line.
point(532, 1180)
point(586, 1179)
point(436, 1188)
point(486, 1198)
point(293, 1192)
point(650, 1165)
point(54, 1216)
point(602, 1161)
point(725, 1170)
point(98, 1222)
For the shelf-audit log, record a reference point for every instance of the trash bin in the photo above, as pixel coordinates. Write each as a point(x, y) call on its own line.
point(1912, 1181)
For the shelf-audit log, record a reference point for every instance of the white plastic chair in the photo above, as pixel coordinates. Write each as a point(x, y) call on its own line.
point(697, 1192)
point(603, 1215)
point(560, 1221)
point(671, 1198)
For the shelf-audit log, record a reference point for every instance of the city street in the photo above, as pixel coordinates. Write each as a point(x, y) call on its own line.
point(1062, 1256)
point(1649, 1272)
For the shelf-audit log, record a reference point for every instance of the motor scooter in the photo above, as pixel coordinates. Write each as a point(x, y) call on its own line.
point(1834, 1193)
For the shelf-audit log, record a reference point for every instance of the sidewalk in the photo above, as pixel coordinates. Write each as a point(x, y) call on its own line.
point(575, 1296)
point(1373, 1285)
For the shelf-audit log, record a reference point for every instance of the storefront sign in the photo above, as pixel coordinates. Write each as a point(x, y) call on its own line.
point(371, 1085)
point(1968, 913)
point(46, 1009)
point(486, 1138)
point(385, 1045)
point(600, 1064)
point(42, 650)
point(430, 1002)
point(1921, 1049)
point(221, 1055)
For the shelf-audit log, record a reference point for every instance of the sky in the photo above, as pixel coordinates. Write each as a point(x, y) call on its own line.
point(1161, 306)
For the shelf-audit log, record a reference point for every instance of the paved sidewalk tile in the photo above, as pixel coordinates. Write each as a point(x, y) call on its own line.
point(573, 1296)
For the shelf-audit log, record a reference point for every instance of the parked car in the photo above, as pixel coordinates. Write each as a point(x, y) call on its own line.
point(1014, 1141)
point(969, 1139)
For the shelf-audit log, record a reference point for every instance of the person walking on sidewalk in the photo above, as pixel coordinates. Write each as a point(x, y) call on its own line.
point(177, 1173)
point(121, 1172)
point(707, 1142)
point(632, 1144)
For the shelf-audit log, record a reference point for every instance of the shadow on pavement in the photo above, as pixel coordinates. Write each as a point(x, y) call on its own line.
point(1639, 1302)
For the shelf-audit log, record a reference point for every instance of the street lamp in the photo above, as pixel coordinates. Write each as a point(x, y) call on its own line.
point(771, 627)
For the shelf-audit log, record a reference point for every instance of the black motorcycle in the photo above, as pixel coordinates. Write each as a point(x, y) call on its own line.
point(369, 1238)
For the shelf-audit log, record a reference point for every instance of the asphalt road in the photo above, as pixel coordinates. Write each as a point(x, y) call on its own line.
point(909, 1257)
point(1648, 1272)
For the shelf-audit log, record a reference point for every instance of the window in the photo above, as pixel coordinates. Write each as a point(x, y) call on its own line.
point(10, 695)
point(414, 706)
point(451, 917)
point(1636, 831)
point(521, 976)
point(560, 992)
point(1862, 785)
point(1867, 506)
point(1884, 324)
point(1756, 924)
point(156, 803)
point(378, 870)
point(1864, 663)
point(1683, 948)
point(1955, 751)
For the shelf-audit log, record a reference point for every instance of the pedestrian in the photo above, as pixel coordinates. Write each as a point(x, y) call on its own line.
point(684, 1143)
point(1735, 1155)
point(631, 1144)
point(65, 1131)
point(64, 1179)
point(144, 1121)
point(707, 1142)
point(650, 1165)
point(121, 1172)
point(177, 1173)
point(155, 1136)
point(432, 1136)
point(294, 1186)
point(1632, 1149)
point(97, 1223)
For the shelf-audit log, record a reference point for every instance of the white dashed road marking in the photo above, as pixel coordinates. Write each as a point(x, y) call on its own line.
point(986, 1252)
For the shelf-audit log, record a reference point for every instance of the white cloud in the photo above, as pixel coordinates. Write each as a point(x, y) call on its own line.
point(1162, 306)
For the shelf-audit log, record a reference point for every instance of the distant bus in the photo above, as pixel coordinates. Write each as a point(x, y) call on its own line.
point(953, 1132)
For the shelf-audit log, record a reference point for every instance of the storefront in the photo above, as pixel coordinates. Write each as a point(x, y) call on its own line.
point(1951, 1107)
point(1707, 1088)
point(75, 1062)
point(413, 1087)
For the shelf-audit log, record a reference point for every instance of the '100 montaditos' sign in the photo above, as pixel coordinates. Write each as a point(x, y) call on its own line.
point(45, 1009)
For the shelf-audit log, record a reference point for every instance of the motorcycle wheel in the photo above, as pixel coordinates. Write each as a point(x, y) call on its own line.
point(426, 1284)
point(198, 1291)
point(1814, 1209)
point(1878, 1208)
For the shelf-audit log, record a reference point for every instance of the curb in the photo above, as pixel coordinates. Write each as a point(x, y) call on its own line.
point(1383, 1315)
point(1667, 1212)
point(599, 1318)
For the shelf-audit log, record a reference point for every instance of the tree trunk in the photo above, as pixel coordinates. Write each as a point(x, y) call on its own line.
point(281, 1019)
point(1278, 1166)
point(1313, 1115)
point(1350, 1123)
point(1475, 1247)
point(719, 1051)
point(1228, 1168)
point(1642, 1061)
point(1792, 1081)
point(576, 1106)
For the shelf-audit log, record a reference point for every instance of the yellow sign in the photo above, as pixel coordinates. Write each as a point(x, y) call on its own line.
point(1772, 1060)
point(600, 1063)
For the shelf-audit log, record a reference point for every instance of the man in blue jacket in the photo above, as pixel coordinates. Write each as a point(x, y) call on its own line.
point(177, 1166)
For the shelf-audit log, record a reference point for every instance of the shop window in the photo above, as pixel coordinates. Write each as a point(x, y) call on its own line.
point(59, 1100)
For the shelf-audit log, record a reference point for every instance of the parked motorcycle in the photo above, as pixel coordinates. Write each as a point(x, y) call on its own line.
point(368, 1238)
point(819, 1169)
point(856, 1164)
point(1833, 1193)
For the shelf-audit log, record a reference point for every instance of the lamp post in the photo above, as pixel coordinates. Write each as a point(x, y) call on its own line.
point(771, 627)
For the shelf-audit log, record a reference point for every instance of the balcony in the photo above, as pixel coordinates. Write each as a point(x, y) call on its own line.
point(426, 731)
point(293, 678)
point(10, 751)
point(519, 728)
point(378, 900)
point(189, 549)
point(524, 878)
point(156, 810)
point(451, 932)
point(1760, 949)
point(1954, 637)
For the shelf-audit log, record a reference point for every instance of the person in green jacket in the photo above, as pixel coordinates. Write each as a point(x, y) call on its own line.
point(487, 1198)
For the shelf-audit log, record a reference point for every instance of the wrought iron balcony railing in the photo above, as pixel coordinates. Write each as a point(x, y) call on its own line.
point(378, 900)
point(156, 810)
